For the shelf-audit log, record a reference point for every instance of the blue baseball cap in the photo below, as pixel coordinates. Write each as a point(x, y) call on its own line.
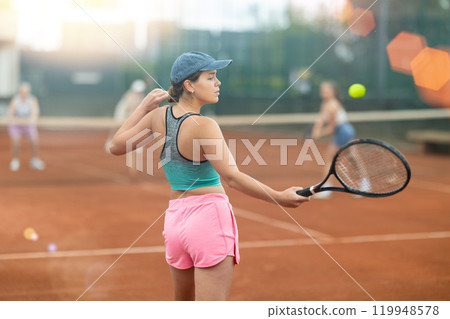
point(191, 62)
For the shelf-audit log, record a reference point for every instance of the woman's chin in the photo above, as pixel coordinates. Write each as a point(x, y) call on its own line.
point(212, 100)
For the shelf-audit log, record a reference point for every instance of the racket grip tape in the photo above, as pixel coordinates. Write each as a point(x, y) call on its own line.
point(305, 192)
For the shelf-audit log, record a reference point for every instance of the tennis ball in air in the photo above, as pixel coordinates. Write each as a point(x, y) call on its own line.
point(357, 90)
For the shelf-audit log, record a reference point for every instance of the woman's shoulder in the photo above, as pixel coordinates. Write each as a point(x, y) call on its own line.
point(203, 126)
point(158, 114)
point(160, 110)
point(202, 121)
point(209, 122)
point(333, 105)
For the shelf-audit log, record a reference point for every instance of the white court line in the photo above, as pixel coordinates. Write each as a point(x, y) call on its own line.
point(277, 223)
point(433, 186)
point(244, 245)
point(392, 237)
point(276, 243)
point(83, 253)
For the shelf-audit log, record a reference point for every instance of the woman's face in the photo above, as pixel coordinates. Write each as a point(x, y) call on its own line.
point(24, 89)
point(326, 91)
point(206, 88)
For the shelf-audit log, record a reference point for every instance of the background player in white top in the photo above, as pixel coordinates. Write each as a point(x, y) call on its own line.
point(129, 101)
point(22, 117)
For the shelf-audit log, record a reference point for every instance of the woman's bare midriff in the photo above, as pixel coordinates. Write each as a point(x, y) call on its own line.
point(197, 191)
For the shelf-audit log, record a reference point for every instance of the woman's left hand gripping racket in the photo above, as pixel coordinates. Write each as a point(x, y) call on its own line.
point(366, 167)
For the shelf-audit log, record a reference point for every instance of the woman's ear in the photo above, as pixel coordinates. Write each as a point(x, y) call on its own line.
point(188, 86)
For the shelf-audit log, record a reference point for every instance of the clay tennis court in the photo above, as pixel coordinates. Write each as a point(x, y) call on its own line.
point(88, 204)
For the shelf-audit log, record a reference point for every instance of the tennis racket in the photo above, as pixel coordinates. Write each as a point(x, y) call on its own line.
point(308, 132)
point(366, 167)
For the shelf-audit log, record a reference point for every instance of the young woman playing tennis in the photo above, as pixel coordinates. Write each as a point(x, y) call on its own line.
point(200, 231)
point(332, 120)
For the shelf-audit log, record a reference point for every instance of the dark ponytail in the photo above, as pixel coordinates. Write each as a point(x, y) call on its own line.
point(177, 90)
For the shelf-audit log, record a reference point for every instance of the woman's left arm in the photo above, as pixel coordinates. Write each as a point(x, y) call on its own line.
point(318, 125)
point(34, 110)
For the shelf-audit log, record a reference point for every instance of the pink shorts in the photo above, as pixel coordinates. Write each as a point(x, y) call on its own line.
point(16, 131)
point(200, 231)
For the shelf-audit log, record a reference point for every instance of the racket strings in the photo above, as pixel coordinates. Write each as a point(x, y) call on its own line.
point(371, 168)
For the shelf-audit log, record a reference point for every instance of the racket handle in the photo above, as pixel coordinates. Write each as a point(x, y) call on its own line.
point(305, 192)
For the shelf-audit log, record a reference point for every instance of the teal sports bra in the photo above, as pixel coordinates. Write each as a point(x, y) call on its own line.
point(181, 172)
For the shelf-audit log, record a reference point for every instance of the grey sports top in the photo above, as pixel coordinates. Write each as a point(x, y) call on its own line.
point(181, 172)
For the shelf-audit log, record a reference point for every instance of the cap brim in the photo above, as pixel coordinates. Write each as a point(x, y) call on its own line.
point(217, 65)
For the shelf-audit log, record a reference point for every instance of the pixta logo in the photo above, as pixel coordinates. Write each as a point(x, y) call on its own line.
point(147, 142)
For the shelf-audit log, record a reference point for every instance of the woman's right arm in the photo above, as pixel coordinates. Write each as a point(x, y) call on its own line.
point(226, 166)
point(11, 110)
point(318, 125)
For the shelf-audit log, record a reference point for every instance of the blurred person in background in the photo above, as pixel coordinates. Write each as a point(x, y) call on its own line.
point(22, 118)
point(130, 101)
point(124, 108)
point(332, 120)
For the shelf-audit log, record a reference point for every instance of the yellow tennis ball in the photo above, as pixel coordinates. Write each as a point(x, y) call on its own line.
point(357, 90)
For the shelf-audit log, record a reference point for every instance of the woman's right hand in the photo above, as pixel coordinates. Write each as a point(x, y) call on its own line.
point(152, 100)
point(290, 198)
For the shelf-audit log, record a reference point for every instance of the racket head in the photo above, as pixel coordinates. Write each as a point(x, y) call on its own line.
point(371, 168)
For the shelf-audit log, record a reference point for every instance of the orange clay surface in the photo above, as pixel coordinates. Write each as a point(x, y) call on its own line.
point(89, 205)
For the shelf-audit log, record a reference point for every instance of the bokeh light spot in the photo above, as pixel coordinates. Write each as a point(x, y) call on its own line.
point(439, 98)
point(403, 49)
point(52, 247)
point(361, 22)
point(345, 12)
point(431, 68)
point(30, 234)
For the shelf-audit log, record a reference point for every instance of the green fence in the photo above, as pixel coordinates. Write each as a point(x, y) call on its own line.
point(265, 63)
